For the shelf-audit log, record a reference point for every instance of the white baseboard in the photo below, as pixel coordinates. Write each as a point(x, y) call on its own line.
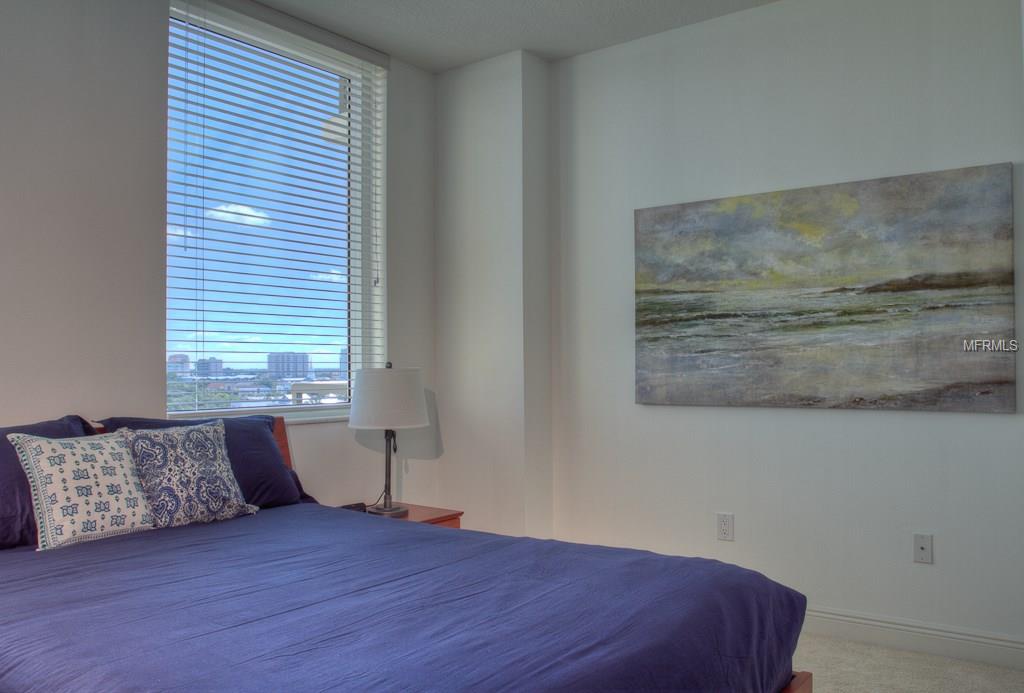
point(906, 634)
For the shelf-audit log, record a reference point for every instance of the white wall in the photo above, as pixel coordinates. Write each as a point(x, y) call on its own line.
point(493, 318)
point(538, 241)
point(82, 195)
point(795, 93)
point(479, 280)
point(82, 205)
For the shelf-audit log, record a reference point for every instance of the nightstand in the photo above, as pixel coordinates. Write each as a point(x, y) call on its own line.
point(443, 517)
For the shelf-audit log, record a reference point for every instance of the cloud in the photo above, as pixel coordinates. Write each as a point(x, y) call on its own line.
point(333, 275)
point(180, 232)
point(239, 214)
point(847, 233)
point(178, 236)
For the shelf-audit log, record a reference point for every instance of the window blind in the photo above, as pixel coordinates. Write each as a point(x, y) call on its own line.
point(275, 216)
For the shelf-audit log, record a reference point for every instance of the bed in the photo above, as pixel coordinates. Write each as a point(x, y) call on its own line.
point(308, 597)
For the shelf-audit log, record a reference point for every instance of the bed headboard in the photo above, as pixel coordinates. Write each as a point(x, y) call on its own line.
point(281, 436)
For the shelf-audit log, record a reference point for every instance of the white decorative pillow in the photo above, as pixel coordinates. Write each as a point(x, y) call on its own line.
point(82, 488)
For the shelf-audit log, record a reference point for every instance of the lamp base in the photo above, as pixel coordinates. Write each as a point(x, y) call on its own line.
point(393, 511)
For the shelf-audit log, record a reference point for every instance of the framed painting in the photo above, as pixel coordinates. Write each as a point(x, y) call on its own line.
point(893, 293)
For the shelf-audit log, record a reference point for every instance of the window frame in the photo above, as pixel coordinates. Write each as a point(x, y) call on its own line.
point(373, 297)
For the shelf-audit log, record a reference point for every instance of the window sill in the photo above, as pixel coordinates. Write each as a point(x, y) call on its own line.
point(340, 416)
point(293, 416)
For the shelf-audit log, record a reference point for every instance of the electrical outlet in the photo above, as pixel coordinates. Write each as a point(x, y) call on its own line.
point(923, 548)
point(726, 527)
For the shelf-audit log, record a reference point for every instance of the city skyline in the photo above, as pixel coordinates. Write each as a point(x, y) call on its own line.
point(212, 366)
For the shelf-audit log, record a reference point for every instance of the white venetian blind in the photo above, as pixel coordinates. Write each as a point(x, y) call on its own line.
point(274, 215)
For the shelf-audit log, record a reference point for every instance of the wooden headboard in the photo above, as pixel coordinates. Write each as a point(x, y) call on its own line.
point(281, 436)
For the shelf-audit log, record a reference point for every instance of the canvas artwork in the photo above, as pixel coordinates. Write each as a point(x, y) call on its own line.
point(894, 293)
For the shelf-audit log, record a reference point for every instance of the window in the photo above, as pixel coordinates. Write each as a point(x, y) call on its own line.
point(275, 286)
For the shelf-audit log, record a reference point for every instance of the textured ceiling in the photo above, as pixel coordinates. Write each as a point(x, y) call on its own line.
point(440, 34)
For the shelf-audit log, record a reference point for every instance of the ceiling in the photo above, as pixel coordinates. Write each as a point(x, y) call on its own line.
point(440, 34)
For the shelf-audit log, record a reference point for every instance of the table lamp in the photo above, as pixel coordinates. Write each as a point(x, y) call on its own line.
point(387, 399)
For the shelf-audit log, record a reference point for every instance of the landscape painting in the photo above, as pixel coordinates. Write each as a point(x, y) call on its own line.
point(894, 293)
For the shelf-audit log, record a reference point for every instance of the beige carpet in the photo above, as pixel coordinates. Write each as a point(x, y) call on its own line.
point(841, 666)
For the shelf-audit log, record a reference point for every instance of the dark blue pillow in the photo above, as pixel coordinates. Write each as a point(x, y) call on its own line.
point(17, 519)
point(255, 458)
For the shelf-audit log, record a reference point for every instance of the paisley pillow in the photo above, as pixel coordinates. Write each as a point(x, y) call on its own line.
point(186, 474)
point(82, 488)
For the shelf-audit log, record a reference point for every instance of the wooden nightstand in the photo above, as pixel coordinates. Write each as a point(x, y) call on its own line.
point(442, 517)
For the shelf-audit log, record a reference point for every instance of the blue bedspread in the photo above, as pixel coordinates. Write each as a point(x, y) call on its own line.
point(307, 597)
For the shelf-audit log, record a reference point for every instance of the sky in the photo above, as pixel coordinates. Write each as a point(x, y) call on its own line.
point(849, 234)
point(266, 236)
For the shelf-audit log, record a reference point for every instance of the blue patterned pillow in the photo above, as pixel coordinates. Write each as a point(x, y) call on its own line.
point(186, 474)
point(82, 488)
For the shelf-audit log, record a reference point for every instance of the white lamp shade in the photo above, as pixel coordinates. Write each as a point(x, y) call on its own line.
point(384, 398)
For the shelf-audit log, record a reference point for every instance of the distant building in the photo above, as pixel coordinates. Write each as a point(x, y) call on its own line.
point(288, 364)
point(178, 363)
point(209, 368)
point(344, 362)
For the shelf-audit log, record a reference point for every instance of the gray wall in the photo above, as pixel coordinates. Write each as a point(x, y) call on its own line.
point(82, 151)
